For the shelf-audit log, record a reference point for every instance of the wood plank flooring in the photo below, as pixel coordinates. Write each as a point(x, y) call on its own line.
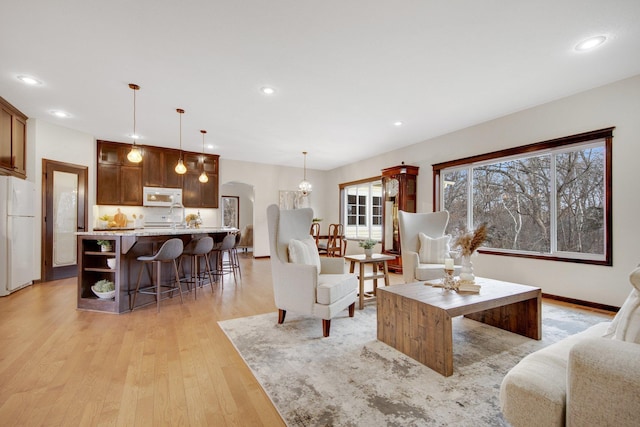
point(61, 366)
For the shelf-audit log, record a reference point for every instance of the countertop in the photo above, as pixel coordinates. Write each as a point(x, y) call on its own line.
point(139, 232)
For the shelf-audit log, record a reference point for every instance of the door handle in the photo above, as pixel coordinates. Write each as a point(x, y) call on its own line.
point(80, 228)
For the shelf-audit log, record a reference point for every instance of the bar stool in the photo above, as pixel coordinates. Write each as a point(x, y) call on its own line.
point(168, 252)
point(196, 249)
point(224, 266)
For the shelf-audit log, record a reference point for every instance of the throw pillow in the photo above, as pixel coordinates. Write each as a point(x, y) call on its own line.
point(304, 252)
point(433, 251)
point(626, 325)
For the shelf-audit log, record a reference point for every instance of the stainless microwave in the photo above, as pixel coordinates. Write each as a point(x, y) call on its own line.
point(156, 196)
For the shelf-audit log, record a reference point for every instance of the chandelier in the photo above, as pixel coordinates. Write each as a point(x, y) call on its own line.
point(305, 186)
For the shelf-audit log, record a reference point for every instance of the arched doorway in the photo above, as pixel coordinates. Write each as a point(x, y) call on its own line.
point(245, 194)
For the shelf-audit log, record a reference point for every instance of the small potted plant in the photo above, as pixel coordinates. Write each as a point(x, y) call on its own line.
point(105, 245)
point(104, 289)
point(368, 245)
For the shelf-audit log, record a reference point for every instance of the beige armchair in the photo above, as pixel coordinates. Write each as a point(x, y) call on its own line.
point(302, 281)
point(432, 225)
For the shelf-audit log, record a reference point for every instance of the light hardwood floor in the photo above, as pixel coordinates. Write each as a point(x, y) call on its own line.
point(61, 366)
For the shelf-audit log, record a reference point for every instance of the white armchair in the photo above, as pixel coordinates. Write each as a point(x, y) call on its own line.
point(306, 284)
point(432, 225)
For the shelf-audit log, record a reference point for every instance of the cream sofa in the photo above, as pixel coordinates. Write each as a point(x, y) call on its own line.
point(588, 379)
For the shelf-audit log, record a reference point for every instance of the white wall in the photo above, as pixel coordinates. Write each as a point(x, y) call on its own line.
point(61, 144)
point(618, 105)
point(267, 181)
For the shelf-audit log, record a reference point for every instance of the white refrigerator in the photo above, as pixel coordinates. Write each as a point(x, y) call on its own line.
point(17, 260)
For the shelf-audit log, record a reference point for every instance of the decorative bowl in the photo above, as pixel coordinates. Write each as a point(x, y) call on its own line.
point(111, 262)
point(104, 295)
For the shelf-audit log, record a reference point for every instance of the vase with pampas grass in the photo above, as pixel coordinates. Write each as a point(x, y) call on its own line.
point(468, 243)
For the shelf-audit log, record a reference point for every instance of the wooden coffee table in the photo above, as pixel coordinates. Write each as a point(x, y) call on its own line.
point(416, 318)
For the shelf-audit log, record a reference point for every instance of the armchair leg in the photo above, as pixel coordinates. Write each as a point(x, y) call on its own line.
point(326, 325)
point(352, 309)
point(281, 315)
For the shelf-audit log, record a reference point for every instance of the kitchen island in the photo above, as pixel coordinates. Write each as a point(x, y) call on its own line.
point(126, 247)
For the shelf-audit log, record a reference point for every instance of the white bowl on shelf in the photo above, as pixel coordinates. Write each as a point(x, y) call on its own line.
point(104, 295)
point(111, 262)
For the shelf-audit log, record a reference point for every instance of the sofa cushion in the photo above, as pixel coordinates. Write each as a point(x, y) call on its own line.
point(304, 252)
point(433, 250)
point(534, 391)
point(332, 287)
point(626, 324)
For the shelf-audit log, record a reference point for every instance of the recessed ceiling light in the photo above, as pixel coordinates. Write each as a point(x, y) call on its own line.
point(398, 123)
point(210, 146)
point(268, 90)
point(590, 43)
point(134, 136)
point(60, 113)
point(31, 81)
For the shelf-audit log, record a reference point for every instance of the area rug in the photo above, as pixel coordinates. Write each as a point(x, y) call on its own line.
point(351, 379)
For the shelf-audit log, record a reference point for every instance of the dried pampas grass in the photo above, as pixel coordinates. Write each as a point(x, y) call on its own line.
point(469, 242)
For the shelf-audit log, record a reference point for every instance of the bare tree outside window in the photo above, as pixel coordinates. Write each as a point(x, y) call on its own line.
point(551, 202)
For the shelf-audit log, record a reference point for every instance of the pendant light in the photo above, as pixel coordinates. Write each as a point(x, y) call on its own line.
point(305, 186)
point(203, 178)
point(180, 167)
point(134, 156)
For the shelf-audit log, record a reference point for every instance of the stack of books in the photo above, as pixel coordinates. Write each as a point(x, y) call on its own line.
point(467, 287)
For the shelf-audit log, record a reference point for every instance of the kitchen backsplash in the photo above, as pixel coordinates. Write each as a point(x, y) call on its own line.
point(135, 215)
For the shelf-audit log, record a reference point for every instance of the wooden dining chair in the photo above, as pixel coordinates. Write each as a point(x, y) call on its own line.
point(315, 233)
point(337, 244)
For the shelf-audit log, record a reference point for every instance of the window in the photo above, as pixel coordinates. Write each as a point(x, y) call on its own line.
point(548, 200)
point(361, 209)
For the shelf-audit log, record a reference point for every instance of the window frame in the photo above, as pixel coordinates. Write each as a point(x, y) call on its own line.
point(369, 206)
point(557, 145)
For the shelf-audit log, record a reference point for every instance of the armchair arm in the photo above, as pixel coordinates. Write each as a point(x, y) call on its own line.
point(603, 383)
point(410, 261)
point(332, 266)
point(294, 286)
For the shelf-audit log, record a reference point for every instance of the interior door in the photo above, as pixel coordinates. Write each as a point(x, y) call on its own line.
point(64, 204)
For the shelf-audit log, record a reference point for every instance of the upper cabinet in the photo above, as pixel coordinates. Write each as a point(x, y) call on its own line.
point(196, 194)
point(158, 167)
point(13, 139)
point(120, 182)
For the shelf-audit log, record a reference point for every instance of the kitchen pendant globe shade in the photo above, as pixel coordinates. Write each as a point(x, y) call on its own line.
point(203, 178)
point(305, 187)
point(180, 167)
point(134, 155)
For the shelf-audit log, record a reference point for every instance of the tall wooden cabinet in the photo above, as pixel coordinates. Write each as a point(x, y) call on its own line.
point(119, 181)
point(399, 193)
point(13, 140)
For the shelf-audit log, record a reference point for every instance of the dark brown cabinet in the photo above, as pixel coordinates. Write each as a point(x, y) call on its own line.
point(399, 193)
point(158, 167)
point(13, 139)
point(119, 182)
point(196, 194)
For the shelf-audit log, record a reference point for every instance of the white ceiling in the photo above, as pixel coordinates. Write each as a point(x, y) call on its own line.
point(344, 71)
